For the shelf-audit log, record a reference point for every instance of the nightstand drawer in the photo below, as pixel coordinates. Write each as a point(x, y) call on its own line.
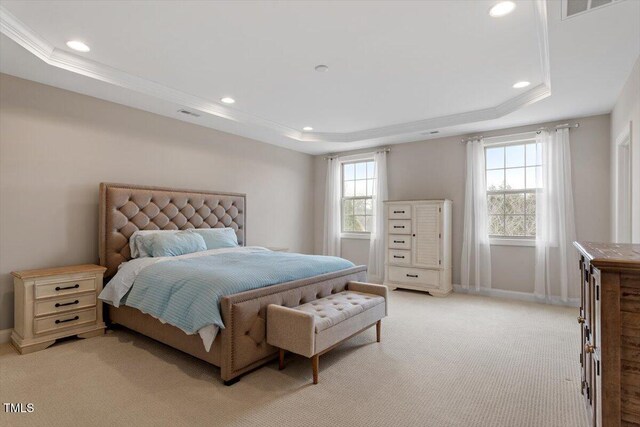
point(63, 320)
point(59, 305)
point(46, 290)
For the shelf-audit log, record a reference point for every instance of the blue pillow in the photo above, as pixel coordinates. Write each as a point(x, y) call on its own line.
point(174, 244)
point(216, 238)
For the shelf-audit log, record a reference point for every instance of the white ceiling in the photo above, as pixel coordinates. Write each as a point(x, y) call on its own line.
point(396, 69)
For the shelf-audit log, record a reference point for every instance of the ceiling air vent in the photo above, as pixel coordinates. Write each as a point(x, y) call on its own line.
point(571, 8)
point(189, 113)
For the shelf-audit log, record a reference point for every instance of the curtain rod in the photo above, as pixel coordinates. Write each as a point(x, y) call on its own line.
point(335, 156)
point(537, 131)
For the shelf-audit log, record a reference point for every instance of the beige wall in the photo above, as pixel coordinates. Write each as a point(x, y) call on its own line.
point(627, 109)
point(435, 169)
point(57, 146)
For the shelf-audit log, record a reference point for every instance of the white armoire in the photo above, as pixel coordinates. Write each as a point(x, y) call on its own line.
point(418, 254)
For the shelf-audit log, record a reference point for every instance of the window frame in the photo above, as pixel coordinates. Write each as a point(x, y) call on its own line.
point(504, 240)
point(362, 158)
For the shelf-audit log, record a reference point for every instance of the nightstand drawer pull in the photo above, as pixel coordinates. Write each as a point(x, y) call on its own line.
point(398, 211)
point(62, 288)
point(399, 256)
point(398, 226)
point(67, 320)
point(412, 275)
point(67, 303)
point(398, 241)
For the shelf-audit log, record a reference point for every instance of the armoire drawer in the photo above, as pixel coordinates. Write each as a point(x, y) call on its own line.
point(400, 257)
point(400, 212)
point(400, 226)
point(399, 241)
point(417, 276)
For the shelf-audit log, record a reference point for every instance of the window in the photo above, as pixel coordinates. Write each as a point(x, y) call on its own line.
point(357, 196)
point(513, 175)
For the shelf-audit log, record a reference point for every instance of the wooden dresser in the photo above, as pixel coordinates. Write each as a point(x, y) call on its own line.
point(418, 253)
point(610, 319)
point(54, 303)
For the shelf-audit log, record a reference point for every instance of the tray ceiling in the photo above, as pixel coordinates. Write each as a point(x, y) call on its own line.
point(396, 69)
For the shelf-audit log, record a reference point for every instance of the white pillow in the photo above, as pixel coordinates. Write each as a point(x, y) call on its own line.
point(136, 244)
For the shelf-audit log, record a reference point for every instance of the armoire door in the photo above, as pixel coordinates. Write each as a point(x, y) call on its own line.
point(426, 235)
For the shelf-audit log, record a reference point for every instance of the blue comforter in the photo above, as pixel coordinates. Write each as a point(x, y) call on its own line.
point(186, 293)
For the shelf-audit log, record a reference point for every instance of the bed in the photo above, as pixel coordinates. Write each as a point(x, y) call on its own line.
point(241, 346)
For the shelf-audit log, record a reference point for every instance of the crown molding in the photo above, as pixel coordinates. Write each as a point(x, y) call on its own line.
point(35, 44)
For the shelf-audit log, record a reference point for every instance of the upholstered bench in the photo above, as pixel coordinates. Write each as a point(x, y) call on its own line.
point(318, 326)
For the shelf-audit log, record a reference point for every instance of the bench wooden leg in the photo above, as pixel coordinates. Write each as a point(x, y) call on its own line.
point(378, 329)
point(315, 364)
point(281, 359)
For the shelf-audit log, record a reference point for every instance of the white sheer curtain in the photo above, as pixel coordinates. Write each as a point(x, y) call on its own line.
point(377, 243)
point(476, 250)
point(555, 226)
point(331, 243)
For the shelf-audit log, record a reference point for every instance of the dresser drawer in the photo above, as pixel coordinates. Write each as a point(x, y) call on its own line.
point(400, 226)
point(59, 305)
point(63, 320)
point(400, 212)
point(46, 290)
point(399, 257)
point(399, 241)
point(416, 276)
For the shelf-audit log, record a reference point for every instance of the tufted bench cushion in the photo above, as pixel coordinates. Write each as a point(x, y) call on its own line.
point(330, 311)
point(315, 327)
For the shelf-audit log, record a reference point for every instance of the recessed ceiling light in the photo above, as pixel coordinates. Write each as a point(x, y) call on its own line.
point(307, 128)
point(520, 85)
point(502, 8)
point(321, 68)
point(228, 100)
point(78, 45)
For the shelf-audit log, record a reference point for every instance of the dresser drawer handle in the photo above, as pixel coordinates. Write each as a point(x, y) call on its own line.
point(412, 275)
point(398, 241)
point(398, 226)
point(399, 256)
point(398, 211)
point(67, 303)
point(67, 320)
point(76, 286)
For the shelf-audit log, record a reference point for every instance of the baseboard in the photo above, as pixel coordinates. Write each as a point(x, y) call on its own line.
point(5, 335)
point(516, 295)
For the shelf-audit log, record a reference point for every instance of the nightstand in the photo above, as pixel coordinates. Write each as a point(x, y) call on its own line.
point(53, 303)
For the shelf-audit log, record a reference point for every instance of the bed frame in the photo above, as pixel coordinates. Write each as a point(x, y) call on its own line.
point(241, 346)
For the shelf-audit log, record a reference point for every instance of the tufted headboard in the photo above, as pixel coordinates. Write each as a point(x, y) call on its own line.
point(125, 209)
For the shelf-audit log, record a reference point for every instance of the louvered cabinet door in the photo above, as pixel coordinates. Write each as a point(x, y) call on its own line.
point(426, 235)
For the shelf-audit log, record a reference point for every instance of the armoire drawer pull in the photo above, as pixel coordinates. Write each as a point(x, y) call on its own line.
point(67, 303)
point(412, 275)
point(398, 226)
point(398, 241)
point(67, 320)
point(398, 211)
point(76, 286)
point(399, 256)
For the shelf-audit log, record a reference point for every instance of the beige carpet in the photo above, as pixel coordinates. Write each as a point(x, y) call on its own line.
point(455, 361)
